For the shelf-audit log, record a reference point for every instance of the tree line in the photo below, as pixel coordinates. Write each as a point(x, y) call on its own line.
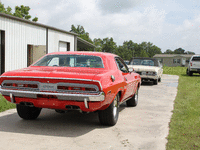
point(128, 50)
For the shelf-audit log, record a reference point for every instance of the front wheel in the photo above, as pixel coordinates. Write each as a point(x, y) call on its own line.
point(133, 101)
point(109, 116)
point(28, 113)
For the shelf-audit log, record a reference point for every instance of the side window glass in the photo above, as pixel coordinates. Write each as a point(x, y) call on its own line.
point(121, 66)
point(54, 62)
point(72, 62)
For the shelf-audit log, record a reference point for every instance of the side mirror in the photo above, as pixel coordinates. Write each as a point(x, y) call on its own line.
point(130, 69)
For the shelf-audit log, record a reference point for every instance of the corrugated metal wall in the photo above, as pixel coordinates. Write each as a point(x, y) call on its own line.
point(54, 37)
point(17, 36)
point(20, 34)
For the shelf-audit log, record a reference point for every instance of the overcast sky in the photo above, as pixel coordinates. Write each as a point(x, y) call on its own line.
point(168, 24)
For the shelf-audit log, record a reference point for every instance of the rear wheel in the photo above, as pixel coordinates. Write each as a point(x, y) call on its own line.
point(189, 73)
point(28, 113)
point(109, 116)
point(155, 82)
point(133, 101)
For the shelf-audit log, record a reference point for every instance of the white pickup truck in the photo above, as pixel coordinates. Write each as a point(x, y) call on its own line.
point(194, 65)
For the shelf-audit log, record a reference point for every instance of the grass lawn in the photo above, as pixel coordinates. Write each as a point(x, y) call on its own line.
point(4, 104)
point(184, 133)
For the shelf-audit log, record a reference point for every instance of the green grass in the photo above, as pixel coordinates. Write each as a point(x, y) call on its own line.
point(184, 133)
point(5, 105)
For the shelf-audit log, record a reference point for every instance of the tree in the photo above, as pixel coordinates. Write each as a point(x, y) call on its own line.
point(179, 51)
point(98, 43)
point(108, 45)
point(154, 50)
point(168, 51)
point(120, 52)
point(143, 53)
point(21, 12)
point(126, 51)
point(150, 49)
point(81, 32)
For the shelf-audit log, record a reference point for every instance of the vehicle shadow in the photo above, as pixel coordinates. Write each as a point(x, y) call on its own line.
point(51, 123)
point(147, 83)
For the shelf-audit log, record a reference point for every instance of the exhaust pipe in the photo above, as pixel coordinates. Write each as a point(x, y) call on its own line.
point(72, 107)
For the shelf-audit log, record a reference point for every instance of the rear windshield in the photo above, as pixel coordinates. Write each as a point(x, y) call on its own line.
point(196, 58)
point(71, 61)
point(143, 62)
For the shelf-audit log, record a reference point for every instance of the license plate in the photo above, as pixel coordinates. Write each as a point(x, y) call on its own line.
point(143, 73)
point(150, 73)
point(147, 73)
point(48, 87)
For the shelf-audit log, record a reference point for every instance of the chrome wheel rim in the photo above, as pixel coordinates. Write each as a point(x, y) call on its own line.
point(136, 96)
point(115, 107)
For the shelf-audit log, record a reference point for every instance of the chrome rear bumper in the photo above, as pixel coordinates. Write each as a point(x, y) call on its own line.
point(100, 96)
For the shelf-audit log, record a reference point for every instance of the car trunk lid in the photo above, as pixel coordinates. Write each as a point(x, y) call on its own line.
point(140, 68)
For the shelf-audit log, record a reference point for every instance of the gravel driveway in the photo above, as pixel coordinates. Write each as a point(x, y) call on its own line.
point(138, 128)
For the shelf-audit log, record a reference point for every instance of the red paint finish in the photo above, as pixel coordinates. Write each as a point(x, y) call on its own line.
point(125, 82)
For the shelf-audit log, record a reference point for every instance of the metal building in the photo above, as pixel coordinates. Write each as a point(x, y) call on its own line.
point(22, 42)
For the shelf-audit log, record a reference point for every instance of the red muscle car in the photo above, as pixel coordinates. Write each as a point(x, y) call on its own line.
point(84, 81)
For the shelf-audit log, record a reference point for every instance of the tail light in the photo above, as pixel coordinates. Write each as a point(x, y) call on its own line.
point(190, 63)
point(76, 88)
point(20, 85)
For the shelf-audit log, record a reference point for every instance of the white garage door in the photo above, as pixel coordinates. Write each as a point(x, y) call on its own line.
point(62, 46)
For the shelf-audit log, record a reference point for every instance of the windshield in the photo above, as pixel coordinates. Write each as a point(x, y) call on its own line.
point(144, 62)
point(71, 61)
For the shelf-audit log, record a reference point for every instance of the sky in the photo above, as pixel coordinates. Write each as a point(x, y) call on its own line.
point(168, 24)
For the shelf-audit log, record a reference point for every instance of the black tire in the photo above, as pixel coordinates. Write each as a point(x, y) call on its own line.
point(159, 79)
point(28, 113)
point(109, 116)
point(155, 82)
point(189, 73)
point(133, 101)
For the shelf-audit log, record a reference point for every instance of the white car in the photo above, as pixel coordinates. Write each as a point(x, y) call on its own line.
point(194, 65)
point(149, 69)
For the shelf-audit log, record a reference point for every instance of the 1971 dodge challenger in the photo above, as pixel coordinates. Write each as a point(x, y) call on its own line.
point(84, 81)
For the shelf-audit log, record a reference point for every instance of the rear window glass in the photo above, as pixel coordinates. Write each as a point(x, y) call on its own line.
point(196, 58)
point(71, 61)
point(143, 62)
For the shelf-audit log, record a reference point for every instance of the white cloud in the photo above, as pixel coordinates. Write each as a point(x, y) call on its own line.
point(113, 6)
point(147, 20)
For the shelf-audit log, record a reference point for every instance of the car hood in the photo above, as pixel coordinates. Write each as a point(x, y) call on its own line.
point(56, 72)
point(139, 68)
